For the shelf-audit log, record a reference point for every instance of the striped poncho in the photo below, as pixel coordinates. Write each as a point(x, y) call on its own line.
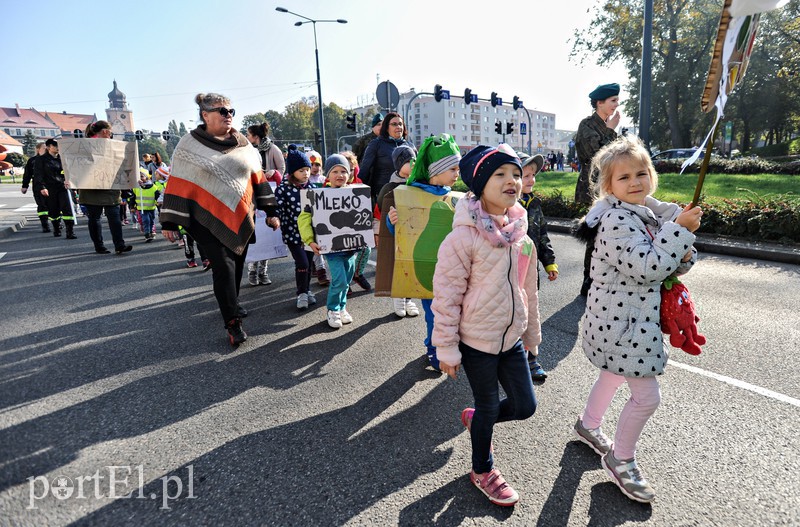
point(216, 185)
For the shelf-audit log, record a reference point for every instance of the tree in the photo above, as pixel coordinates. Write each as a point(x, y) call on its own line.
point(182, 130)
point(174, 137)
point(148, 145)
point(16, 159)
point(250, 120)
point(29, 142)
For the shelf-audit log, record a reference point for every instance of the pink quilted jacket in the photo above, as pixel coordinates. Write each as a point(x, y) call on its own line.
point(484, 291)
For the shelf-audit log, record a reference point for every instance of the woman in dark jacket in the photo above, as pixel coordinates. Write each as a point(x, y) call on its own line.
point(377, 166)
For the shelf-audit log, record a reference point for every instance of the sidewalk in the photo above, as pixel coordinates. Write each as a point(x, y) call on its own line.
point(773, 252)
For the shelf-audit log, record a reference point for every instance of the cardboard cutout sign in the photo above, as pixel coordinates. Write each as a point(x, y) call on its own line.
point(424, 219)
point(269, 243)
point(99, 163)
point(341, 217)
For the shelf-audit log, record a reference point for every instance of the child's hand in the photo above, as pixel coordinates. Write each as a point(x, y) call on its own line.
point(273, 222)
point(552, 275)
point(315, 248)
point(449, 369)
point(393, 215)
point(690, 218)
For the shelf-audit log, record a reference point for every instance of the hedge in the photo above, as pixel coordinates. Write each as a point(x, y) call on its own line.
point(719, 165)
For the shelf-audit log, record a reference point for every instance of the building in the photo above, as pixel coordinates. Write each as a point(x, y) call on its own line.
point(11, 144)
point(120, 117)
point(69, 122)
point(17, 122)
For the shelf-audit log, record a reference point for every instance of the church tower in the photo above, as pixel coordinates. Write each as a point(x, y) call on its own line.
point(119, 116)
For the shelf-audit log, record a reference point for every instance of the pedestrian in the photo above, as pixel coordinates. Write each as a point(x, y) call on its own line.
point(273, 165)
point(361, 143)
point(435, 171)
point(362, 255)
point(298, 171)
point(216, 183)
point(487, 306)
point(146, 196)
point(537, 232)
point(403, 157)
point(594, 132)
point(377, 166)
point(638, 242)
point(27, 178)
point(560, 161)
point(49, 182)
point(342, 263)
point(103, 201)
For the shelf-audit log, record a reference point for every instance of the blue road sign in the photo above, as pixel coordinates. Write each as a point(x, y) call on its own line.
point(446, 94)
point(499, 101)
point(523, 128)
point(473, 98)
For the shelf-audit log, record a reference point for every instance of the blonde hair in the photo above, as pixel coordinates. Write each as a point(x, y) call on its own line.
point(207, 101)
point(627, 146)
point(353, 160)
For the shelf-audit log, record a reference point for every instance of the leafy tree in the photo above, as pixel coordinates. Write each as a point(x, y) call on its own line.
point(250, 120)
point(182, 130)
point(174, 137)
point(16, 159)
point(148, 145)
point(29, 142)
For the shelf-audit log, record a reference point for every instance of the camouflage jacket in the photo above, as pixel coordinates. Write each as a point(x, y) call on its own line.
point(592, 135)
point(360, 145)
point(537, 229)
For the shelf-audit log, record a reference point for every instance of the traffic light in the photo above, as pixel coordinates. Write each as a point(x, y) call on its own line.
point(467, 96)
point(139, 135)
point(498, 127)
point(77, 133)
point(351, 122)
point(509, 128)
point(165, 135)
point(317, 137)
point(494, 98)
point(517, 104)
point(437, 93)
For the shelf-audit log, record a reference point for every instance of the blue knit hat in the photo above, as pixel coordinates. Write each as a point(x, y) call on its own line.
point(336, 160)
point(480, 163)
point(295, 160)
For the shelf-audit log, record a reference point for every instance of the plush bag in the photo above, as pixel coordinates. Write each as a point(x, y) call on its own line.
point(678, 319)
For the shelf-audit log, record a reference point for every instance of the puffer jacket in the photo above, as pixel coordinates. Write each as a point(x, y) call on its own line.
point(636, 248)
point(484, 294)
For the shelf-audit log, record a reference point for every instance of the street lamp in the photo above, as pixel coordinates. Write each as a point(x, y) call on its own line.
point(316, 53)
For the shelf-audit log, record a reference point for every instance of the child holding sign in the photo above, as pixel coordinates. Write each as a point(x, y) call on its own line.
point(342, 263)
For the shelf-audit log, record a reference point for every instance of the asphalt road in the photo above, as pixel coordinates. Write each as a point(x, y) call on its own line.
point(122, 361)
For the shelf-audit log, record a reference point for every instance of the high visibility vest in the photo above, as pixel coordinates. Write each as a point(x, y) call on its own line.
point(146, 197)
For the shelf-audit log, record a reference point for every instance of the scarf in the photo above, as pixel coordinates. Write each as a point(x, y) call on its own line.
point(216, 184)
point(501, 230)
point(264, 145)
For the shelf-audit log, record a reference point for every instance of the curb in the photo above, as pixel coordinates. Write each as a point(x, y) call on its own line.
point(11, 225)
point(773, 252)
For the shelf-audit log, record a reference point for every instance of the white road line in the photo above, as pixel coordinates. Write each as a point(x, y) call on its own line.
point(25, 208)
point(2, 254)
point(739, 384)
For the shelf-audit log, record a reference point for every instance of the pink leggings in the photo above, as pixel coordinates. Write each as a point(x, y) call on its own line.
point(645, 398)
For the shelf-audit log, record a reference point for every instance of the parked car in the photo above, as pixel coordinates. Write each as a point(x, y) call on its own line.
point(674, 153)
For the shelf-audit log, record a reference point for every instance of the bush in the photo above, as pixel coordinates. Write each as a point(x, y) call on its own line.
point(781, 149)
point(719, 165)
point(760, 219)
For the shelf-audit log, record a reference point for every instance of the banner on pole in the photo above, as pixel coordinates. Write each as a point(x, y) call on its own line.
point(104, 164)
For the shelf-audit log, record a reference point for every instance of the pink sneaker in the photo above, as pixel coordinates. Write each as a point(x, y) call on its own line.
point(495, 487)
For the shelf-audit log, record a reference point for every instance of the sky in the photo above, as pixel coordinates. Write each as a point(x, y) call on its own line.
point(162, 53)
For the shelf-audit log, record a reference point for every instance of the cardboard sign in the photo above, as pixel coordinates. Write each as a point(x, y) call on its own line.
point(424, 220)
point(341, 217)
point(99, 163)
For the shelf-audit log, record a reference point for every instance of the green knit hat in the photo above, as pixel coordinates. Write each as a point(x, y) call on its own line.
point(436, 155)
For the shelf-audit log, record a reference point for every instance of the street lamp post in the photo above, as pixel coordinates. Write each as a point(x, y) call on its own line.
point(316, 54)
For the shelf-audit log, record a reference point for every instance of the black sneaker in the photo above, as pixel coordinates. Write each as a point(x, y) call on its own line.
point(124, 249)
point(362, 282)
point(236, 334)
point(101, 250)
point(71, 236)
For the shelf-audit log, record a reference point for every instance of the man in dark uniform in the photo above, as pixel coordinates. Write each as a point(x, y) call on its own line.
point(41, 201)
point(48, 180)
point(594, 132)
point(361, 143)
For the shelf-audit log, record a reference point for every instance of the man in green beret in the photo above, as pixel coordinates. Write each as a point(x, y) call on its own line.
point(594, 133)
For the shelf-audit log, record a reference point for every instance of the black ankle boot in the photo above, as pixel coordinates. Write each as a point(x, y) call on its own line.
point(45, 225)
point(236, 334)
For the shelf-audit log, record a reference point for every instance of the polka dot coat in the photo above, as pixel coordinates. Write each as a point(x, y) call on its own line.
point(288, 197)
point(636, 248)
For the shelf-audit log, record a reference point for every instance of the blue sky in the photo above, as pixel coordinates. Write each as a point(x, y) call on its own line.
point(163, 53)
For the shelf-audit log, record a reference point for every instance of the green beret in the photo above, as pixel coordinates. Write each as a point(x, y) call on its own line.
point(604, 91)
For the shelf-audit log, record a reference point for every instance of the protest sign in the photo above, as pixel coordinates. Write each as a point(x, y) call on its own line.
point(91, 163)
point(341, 217)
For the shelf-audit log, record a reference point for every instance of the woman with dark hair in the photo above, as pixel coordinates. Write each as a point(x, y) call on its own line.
point(377, 166)
point(272, 162)
point(103, 201)
point(215, 185)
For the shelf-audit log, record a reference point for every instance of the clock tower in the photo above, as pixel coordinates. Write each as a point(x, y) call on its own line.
point(119, 116)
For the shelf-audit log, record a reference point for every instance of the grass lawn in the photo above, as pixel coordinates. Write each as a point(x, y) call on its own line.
point(680, 188)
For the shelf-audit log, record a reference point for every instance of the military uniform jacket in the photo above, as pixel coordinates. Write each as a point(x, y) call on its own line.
point(592, 135)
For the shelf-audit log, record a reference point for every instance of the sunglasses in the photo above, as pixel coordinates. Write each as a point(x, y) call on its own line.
point(224, 112)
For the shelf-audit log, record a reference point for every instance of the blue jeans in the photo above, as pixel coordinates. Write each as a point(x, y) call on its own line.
point(148, 218)
point(484, 370)
point(94, 213)
point(342, 267)
point(431, 349)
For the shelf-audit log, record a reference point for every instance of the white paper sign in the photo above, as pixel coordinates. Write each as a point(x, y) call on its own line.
point(342, 217)
point(99, 163)
point(269, 243)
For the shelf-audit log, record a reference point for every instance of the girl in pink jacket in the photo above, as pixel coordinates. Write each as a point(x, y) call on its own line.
point(486, 305)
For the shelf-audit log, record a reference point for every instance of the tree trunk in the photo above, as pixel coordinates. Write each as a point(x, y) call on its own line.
point(746, 137)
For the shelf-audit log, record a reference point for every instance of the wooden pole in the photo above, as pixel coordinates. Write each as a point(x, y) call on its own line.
point(704, 166)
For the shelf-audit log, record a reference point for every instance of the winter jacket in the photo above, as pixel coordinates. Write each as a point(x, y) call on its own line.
point(377, 165)
point(537, 231)
point(48, 173)
point(288, 196)
point(484, 293)
point(636, 248)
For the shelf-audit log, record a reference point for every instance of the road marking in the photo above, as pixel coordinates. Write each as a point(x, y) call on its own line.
point(26, 208)
point(740, 384)
point(2, 254)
